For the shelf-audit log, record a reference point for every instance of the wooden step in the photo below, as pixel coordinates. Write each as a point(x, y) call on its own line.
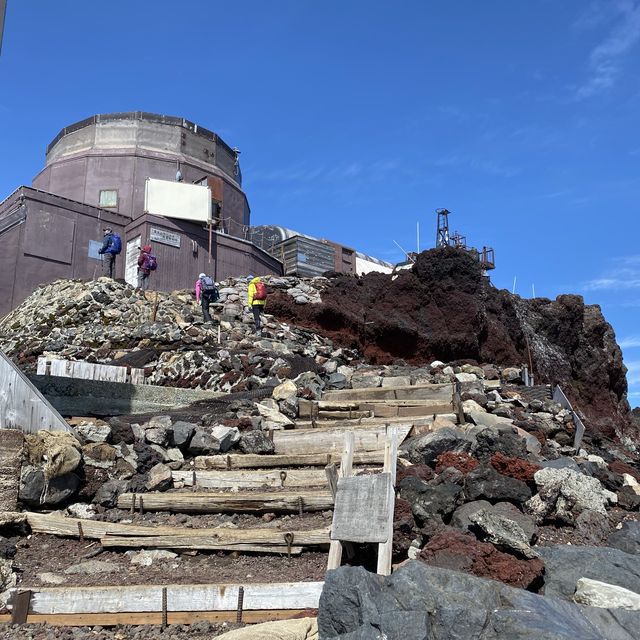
point(256, 461)
point(148, 598)
point(251, 479)
point(248, 502)
point(305, 441)
point(440, 392)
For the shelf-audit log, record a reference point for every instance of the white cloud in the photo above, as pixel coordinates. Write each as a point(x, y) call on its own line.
point(606, 59)
point(633, 372)
point(624, 275)
point(630, 342)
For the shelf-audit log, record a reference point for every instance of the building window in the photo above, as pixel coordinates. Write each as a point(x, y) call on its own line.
point(108, 198)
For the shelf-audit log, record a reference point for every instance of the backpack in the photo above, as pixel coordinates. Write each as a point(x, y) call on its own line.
point(261, 291)
point(208, 287)
point(115, 246)
point(150, 262)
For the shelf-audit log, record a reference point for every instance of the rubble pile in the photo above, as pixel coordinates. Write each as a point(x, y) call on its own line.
point(444, 308)
point(486, 496)
point(109, 322)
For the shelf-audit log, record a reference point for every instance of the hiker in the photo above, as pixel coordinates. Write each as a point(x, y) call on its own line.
point(111, 247)
point(206, 293)
point(256, 299)
point(147, 263)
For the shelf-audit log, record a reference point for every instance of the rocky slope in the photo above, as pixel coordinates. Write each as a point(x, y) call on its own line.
point(444, 309)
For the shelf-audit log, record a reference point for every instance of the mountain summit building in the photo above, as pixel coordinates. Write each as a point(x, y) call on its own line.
point(134, 172)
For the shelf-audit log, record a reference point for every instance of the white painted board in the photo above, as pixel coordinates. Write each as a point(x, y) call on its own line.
point(177, 200)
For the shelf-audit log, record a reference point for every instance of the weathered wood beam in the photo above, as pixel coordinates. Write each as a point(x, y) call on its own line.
point(195, 543)
point(281, 501)
point(442, 392)
point(331, 440)
point(251, 479)
point(173, 617)
point(148, 598)
point(256, 461)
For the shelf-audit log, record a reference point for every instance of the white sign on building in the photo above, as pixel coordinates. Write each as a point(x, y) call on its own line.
point(164, 237)
point(177, 200)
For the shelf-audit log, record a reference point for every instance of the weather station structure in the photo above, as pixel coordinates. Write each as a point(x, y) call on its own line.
point(485, 256)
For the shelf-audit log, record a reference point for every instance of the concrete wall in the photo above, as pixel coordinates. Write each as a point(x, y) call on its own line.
point(45, 237)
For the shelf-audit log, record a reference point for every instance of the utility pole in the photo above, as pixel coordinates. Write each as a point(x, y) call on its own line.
point(3, 15)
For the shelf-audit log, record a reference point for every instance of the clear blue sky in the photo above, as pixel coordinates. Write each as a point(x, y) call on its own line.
point(357, 119)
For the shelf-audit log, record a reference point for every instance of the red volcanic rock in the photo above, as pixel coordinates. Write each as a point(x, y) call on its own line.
point(402, 510)
point(444, 309)
point(421, 471)
point(461, 461)
point(514, 467)
point(459, 551)
point(619, 467)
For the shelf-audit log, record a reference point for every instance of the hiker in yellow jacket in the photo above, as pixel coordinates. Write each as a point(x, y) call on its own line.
point(256, 299)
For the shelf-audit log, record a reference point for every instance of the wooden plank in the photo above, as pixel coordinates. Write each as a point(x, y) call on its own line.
point(296, 441)
point(148, 598)
point(277, 502)
point(197, 543)
point(173, 617)
point(346, 469)
point(335, 414)
point(21, 603)
point(385, 549)
point(92, 529)
point(22, 406)
point(256, 461)
point(366, 423)
point(361, 508)
point(442, 392)
point(11, 452)
point(251, 479)
point(82, 370)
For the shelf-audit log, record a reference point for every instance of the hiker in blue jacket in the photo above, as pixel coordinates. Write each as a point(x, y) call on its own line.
point(111, 246)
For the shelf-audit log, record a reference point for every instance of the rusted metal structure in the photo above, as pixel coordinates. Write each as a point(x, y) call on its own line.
point(486, 257)
point(95, 176)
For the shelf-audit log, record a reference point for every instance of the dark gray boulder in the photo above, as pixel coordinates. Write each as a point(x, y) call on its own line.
point(425, 449)
point(32, 491)
point(421, 602)
point(627, 538)
point(108, 493)
point(256, 442)
point(181, 433)
point(430, 501)
point(566, 564)
point(485, 483)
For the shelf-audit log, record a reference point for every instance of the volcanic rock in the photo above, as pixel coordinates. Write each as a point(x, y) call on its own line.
point(32, 487)
point(627, 538)
point(256, 442)
point(564, 494)
point(425, 449)
point(600, 594)
point(486, 483)
point(566, 564)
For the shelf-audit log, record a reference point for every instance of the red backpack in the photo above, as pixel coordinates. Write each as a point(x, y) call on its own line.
point(261, 291)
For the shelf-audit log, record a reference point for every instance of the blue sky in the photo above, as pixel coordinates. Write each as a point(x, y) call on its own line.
point(357, 119)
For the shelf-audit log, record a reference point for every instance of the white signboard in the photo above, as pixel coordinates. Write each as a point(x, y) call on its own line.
point(164, 237)
point(131, 261)
point(177, 200)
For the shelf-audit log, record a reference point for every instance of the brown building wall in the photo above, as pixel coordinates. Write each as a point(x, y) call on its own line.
point(178, 267)
point(50, 242)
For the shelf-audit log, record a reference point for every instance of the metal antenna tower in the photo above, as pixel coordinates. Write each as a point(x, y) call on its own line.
point(442, 234)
